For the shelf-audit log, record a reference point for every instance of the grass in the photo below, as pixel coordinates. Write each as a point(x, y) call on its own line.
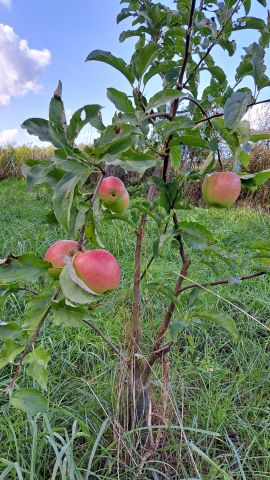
point(219, 390)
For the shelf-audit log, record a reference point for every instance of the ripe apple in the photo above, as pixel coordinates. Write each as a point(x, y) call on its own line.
point(221, 189)
point(114, 194)
point(98, 269)
point(56, 253)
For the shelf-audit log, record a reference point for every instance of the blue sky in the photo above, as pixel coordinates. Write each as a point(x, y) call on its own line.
point(59, 35)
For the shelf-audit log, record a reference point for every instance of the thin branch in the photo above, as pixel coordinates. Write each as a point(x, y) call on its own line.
point(179, 83)
point(216, 115)
point(221, 282)
point(106, 339)
point(155, 115)
point(137, 313)
point(30, 344)
point(212, 45)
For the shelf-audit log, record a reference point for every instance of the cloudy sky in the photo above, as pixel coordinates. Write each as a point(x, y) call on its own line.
point(42, 41)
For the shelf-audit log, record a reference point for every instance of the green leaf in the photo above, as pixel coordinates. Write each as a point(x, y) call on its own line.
point(257, 136)
point(167, 292)
point(255, 179)
point(207, 164)
point(120, 100)
point(45, 131)
point(72, 291)
point(253, 64)
point(168, 195)
point(228, 45)
point(175, 126)
point(37, 174)
point(68, 315)
point(118, 63)
point(10, 350)
point(224, 321)
point(37, 361)
point(56, 110)
point(235, 108)
point(36, 309)
point(30, 401)
point(87, 114)
point(157, 69)
point(230, 137)
point(143, 57)
point(63, 198)
point(162, 97)
point(196, 235)
point(26, 268)
point(244, 23)
point(113, 136)
point(9, 330)
point(243, 130)
point(175, 156)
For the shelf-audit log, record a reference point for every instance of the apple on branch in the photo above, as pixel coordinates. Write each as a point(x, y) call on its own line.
point(221, 189)
point(113, 194)
point(98, 269)
point(57, 252)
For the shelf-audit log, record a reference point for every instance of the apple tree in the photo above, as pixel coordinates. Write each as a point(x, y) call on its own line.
point(175, 47)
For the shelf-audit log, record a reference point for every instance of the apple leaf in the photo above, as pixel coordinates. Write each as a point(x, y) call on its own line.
point(224, 321)
point(143, 57)
point(67, 315)
point(37, 361)
point(63, 198)
point(10, 350)
point(235, 108)
point(160, 68)
point(118, 63)
point(113, 137)
point(26, 268)
point(30, 401)
point(57, 115)
point(9, 330)
point(35, 311)
point(87, 114)
point(162, 97)
point(120, 100)
point(45, 131)
point(72, 291)
point(175, 156)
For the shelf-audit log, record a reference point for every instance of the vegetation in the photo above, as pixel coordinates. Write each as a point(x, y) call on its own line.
point(166, 307)
point(219, 390)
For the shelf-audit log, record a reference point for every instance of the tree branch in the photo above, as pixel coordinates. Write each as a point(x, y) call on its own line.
point(216, 115)
point(30, 344)
point(212, 45)
point(221, 282)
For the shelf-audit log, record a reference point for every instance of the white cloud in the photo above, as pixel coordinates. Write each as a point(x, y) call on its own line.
point(6, 3)
point(259, 116)
point(8, 136)
point(20, 66)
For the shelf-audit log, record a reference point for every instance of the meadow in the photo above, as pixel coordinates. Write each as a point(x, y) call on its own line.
point(219, 389)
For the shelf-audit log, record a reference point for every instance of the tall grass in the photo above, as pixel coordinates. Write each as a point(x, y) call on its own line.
point(218, 426)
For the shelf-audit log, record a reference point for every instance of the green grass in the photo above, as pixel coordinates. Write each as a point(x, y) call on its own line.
point(216, 385)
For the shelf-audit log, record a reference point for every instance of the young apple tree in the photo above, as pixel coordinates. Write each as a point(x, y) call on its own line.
point(175, 46)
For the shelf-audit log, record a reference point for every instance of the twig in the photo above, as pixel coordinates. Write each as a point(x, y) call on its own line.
point(155, 115)
point(106, 339)
point(216, 115)
point(179, 84)
point(136, 323)
point(221, 282)
point(31, 343)
point(212, 45)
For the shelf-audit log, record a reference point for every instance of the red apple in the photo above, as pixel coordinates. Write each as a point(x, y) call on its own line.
point(221, 189)
point(57, 252)
point(114, 194)
point(98, 269)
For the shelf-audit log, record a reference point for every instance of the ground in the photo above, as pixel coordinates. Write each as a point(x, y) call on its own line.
point(219, 391)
